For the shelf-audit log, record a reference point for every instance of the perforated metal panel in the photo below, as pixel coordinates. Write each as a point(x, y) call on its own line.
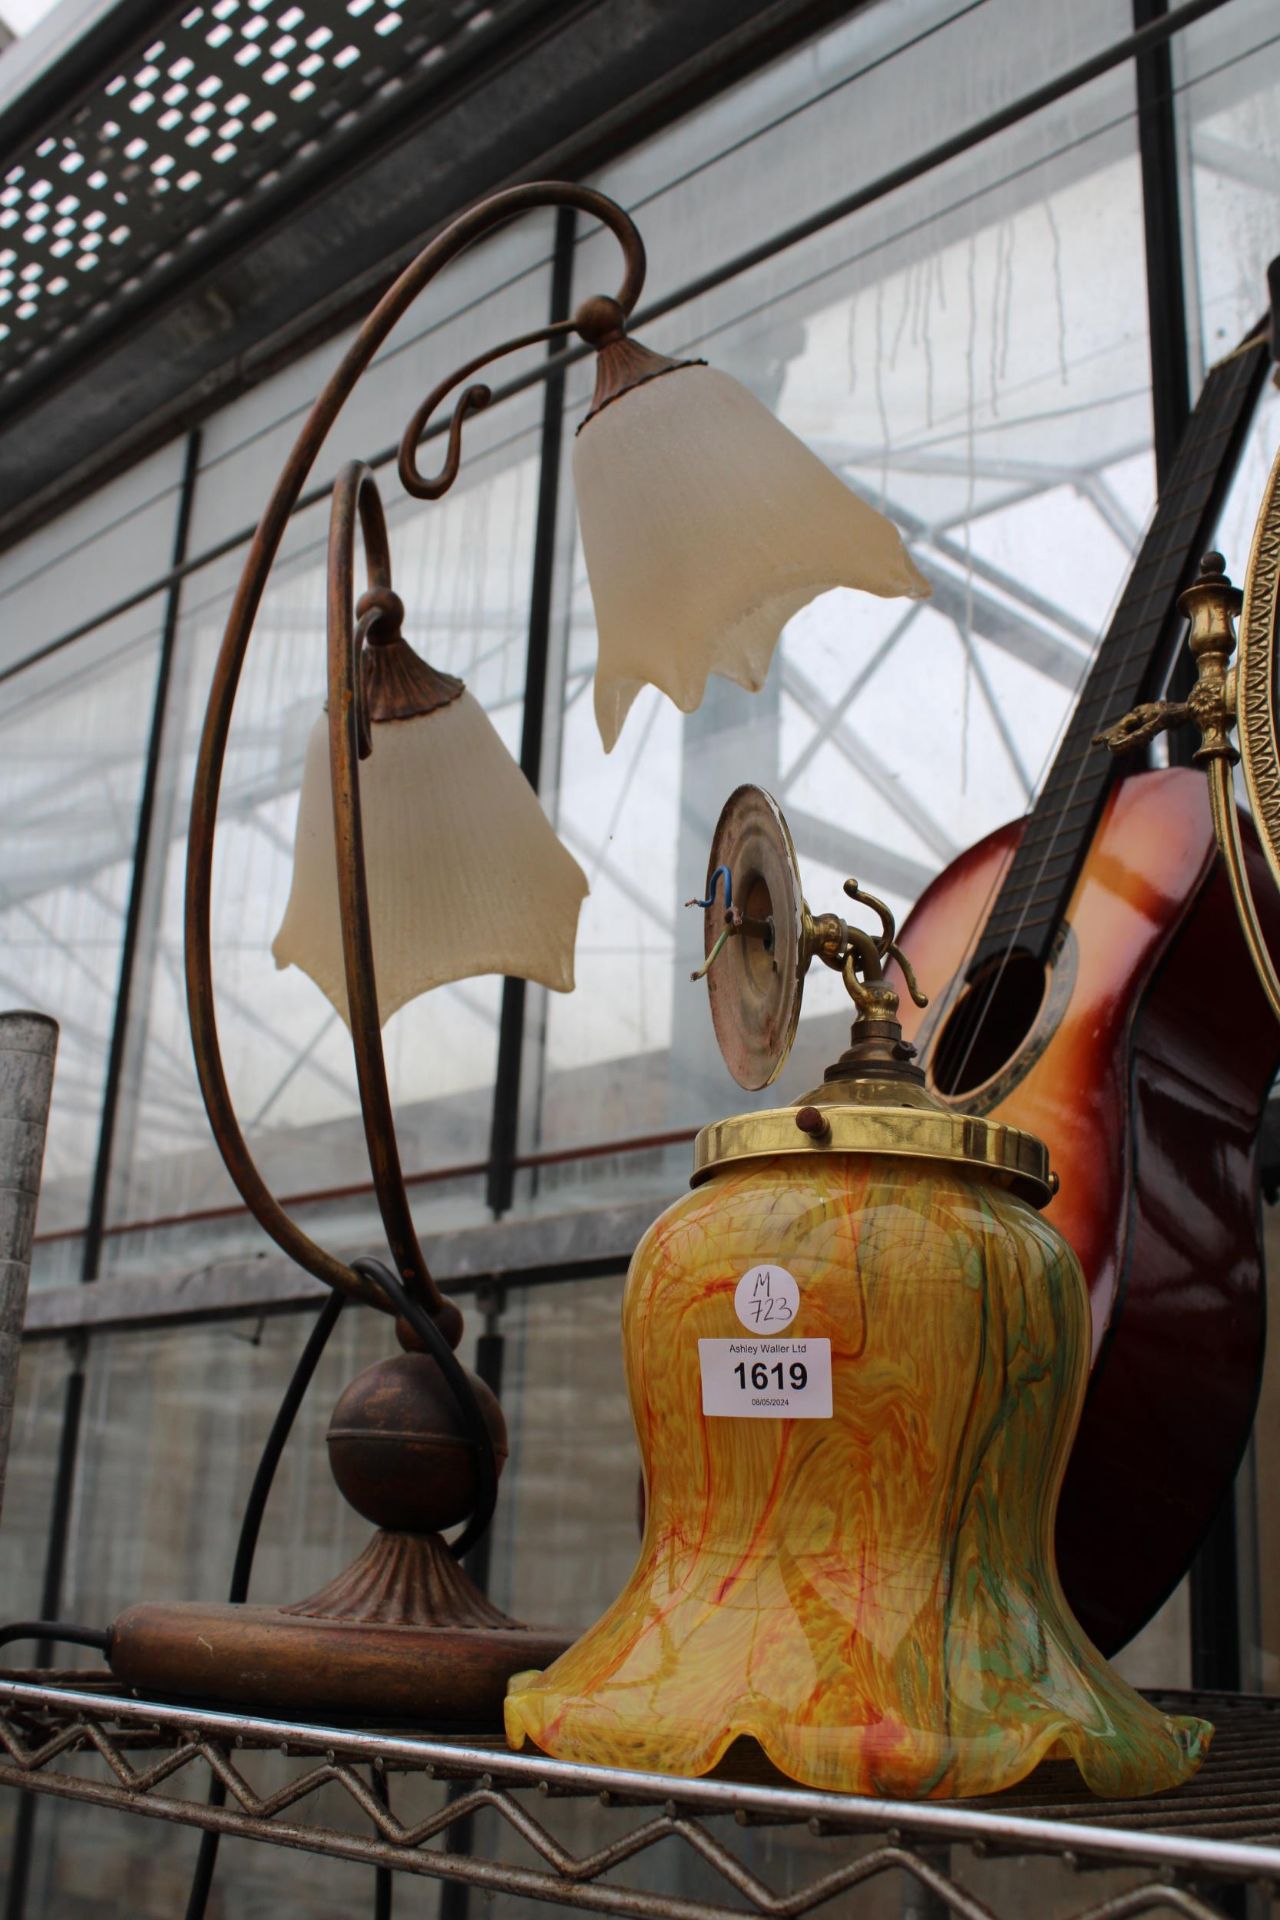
point(217, 106)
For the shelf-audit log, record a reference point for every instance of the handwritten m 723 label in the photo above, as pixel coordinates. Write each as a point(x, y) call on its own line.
point(766, 1379)
point(767, 1299)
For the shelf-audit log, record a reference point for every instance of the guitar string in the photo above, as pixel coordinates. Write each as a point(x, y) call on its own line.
point(995, 978)
point(991, 986)
point(1083, 761)
point(1259, 335)
point(983, 913)
point(1049, 759)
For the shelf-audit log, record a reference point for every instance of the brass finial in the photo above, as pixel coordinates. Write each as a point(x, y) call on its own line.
point(876, 1045)
point(1211, 604)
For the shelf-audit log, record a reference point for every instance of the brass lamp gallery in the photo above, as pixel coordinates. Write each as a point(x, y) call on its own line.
point(423, 856)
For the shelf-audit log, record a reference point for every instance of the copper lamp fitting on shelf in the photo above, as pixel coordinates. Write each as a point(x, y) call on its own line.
point(434, 863)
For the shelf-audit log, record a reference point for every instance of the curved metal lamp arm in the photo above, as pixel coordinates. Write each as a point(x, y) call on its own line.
point(356, 501)
point(469, 227)
point(474, 400)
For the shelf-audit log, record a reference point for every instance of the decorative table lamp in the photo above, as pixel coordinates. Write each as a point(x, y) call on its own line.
point(856, 1357)
point(436, 864)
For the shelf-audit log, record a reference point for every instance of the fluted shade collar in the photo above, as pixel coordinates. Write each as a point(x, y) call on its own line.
point(706, 524)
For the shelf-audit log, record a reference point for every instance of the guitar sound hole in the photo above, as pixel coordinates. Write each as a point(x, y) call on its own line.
point(988, 1024)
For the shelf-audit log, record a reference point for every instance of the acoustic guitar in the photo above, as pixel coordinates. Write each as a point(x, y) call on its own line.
point(1087, 981)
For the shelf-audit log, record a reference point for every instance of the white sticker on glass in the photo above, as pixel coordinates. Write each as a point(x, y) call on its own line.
point(766, 1379)
point(767, 1299)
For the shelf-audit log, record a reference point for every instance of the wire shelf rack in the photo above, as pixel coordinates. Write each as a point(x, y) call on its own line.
point(84, 1740)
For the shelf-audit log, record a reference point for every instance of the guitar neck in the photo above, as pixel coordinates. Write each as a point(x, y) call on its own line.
point(1037, 888)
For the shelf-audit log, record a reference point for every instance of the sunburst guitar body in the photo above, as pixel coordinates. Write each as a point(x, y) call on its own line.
point(1141, 1053)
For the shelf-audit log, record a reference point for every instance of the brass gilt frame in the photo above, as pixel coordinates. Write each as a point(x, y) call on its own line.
point(1259, 642)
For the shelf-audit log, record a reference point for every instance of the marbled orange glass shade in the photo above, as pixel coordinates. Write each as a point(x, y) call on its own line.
point(871, 1597)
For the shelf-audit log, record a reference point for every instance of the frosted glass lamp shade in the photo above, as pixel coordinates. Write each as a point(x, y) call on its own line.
point(706, 524)
point(465, 874)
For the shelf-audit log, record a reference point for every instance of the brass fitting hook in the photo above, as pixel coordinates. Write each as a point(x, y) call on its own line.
point(872, 952)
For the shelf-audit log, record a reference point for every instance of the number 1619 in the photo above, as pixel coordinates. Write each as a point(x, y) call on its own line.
point(793, 1374)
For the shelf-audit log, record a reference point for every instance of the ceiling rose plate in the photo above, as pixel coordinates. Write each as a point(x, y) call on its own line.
point(756, 984)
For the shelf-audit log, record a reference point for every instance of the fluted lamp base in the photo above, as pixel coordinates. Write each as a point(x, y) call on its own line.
point(401, 1634)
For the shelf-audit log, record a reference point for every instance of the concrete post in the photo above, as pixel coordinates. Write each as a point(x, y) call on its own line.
point(28, 1042)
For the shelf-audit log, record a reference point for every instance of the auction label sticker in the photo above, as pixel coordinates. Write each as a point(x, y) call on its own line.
point(766, 1379)
point(767, 1299)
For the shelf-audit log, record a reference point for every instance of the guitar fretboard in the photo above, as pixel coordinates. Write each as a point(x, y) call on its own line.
point(1037, 887)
